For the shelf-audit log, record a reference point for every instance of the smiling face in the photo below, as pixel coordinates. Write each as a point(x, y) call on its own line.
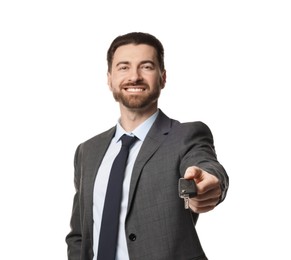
point(135, 78)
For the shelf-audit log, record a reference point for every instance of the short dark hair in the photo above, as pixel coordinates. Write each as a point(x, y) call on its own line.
point(136, 38)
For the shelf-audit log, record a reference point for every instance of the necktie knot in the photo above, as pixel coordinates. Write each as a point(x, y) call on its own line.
point(127, 140)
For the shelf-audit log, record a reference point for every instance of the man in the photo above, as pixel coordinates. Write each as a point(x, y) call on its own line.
point(153, 221)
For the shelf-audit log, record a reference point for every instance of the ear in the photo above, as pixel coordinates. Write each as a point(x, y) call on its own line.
point(109, 80)
point(163, 79)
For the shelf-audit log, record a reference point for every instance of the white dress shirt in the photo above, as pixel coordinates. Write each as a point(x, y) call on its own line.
point(101, 181)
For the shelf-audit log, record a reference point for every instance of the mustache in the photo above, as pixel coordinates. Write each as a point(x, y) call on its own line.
point(136, 83)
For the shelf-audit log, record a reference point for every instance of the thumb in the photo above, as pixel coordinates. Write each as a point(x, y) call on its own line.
point(195, 173)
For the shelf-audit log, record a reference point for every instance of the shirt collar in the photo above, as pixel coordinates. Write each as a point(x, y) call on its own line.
point(140, 132)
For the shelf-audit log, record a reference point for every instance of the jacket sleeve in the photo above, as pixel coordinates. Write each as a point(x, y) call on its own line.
point(200, 151)
point(74, 238)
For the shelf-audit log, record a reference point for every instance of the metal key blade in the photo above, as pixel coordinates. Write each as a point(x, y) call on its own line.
point(186, 203)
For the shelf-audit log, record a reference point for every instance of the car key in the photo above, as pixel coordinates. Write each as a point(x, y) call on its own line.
point(187, 189)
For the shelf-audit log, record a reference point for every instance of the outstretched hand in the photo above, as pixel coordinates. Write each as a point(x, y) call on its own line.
point(208, 190)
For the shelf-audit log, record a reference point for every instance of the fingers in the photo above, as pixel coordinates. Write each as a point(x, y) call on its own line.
point(194, 172)
point(200, 208)
point(204, 180)
point(205, 202)
point(208, 190)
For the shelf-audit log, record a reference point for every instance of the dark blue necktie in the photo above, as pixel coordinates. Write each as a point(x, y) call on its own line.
point(111, 211)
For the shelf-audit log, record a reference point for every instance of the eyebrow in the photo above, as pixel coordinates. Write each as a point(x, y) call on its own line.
point(142, 62)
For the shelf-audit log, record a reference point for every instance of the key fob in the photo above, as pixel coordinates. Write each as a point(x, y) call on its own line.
point(187, 188)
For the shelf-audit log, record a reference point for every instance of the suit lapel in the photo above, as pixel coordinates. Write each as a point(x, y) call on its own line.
point(152, 142)
point(94, 155)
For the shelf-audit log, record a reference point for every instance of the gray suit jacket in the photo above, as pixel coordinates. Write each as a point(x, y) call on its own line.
point(157, 225)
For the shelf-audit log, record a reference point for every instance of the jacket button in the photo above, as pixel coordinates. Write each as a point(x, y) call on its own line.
point(132, 237)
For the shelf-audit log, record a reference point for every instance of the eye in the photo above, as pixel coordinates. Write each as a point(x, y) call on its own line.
point(123, 68)
point(147, 66)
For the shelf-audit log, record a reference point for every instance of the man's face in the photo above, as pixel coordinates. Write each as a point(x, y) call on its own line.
point(135, 78)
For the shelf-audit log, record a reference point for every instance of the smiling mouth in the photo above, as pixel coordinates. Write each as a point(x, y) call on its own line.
point(134, 89)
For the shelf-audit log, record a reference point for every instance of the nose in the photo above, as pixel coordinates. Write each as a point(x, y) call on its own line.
point(134, 76)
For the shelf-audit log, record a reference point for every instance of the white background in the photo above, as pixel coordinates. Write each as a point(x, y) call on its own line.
point(228, 64)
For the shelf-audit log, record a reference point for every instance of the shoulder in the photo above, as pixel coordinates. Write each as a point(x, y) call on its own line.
point(193, 128)
point(101, 136)
point(182, 128)
point(197, 126)
point(98, 140)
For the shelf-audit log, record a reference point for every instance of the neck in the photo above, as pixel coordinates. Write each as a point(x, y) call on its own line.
point(131, 119)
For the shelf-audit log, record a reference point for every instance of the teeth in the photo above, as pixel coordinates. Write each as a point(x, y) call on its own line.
point(135, 89)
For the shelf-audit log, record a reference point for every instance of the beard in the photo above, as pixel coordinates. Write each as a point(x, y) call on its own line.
point(137, 101)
